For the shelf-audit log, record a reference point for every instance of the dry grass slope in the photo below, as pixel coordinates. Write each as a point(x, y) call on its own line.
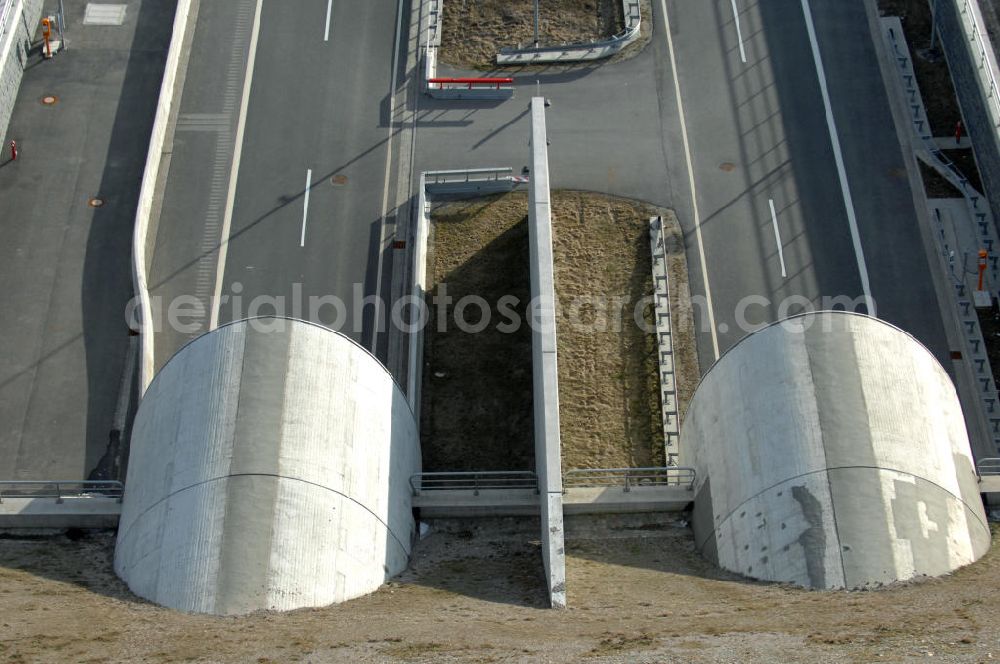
point(474, 30)
point(477, 386)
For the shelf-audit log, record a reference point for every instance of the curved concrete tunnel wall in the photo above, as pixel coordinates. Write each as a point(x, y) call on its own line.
point(831, 452)
point(268, 470)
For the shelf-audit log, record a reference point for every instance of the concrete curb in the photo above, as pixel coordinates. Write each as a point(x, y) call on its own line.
point(421, 233)
point(140, 262)
point(35, 513)
point(472, 182)
point(579, 52)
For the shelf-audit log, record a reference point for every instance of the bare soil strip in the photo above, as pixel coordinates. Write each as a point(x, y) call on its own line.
point(474, 594)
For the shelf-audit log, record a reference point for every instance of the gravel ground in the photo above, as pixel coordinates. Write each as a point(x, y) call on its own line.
point(474, 593)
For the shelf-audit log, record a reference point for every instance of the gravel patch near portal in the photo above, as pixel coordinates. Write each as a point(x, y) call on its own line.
point(474, 594)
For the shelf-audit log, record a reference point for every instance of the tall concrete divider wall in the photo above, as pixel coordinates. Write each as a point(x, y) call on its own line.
point(421, 231)
point(973, 64)
point(19, 23)
point(548, 457)
point(144, 236)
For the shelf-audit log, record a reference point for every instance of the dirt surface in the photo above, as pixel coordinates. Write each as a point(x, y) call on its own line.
point(609, 398)
point(477, 384)
point(474, 594)
point(477, 403)
point(474, 30)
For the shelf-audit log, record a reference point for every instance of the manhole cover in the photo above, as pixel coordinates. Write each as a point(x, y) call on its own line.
point(338, 180)
point(49, 100)
point(104, 14)
point(96, 202)
point(727, 167)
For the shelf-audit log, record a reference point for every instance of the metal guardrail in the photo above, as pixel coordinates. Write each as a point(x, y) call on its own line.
point(488, 83)
point(627, 478)
point(6, 7)
point(473, 481)
point(984, 60)
point(60, 489)
point(468, 175)
point(624, 35)
point(990, 466)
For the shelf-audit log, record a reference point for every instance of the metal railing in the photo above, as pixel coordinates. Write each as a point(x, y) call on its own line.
point(60, 489)
point(990, 466)
point(618, 38)
point(468, 175)
point(487, 83)
point(985, 64)
point(627, 478)
point(472, 481)
point(6, 7)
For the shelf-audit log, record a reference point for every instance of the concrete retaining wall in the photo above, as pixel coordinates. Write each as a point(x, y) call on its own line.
point(971, 59)
point(15, 42)
point(415, 355)
point(144, 236)
point(75, 512)
point(548, 456)
point(269, 469)
point(831, 452)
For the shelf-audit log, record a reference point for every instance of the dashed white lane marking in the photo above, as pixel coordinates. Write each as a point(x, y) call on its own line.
point(739, 32)
point(305, 207)
point(777, 236)
point(329, 15)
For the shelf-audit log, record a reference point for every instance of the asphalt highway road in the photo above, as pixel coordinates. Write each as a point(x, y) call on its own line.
point(800, 195)
point(763, 132)
point(308, 207)
point(757, 134)
point(287, 160)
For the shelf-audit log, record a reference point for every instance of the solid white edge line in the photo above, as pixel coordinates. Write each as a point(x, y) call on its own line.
point(777, 236)
point(694, 192)
point(838, 156)
point(739, 32)
point(305, 207)
point(227, 220)
point(388, 169)
point(329, 15)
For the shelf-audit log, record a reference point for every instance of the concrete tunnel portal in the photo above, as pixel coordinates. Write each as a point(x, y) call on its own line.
point(270, 469)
